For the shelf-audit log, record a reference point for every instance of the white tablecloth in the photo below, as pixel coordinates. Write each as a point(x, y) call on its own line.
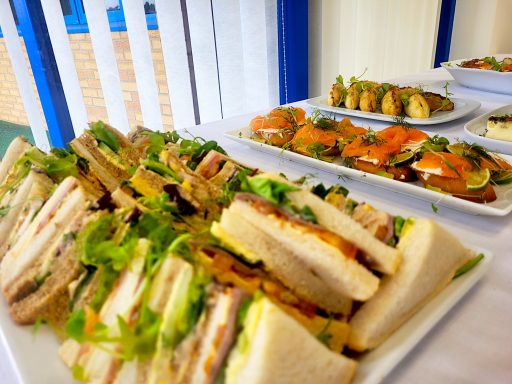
point(473, 342)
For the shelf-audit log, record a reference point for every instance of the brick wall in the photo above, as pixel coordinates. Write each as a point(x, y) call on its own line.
point(11, 106)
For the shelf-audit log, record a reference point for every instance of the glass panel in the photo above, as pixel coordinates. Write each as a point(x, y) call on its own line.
point(14, 12)
point(112, 5)
point(66, 7)
point(149, 6)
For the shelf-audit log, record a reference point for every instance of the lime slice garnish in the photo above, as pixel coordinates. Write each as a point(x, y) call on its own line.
point(456, 149)
point(402, 158)
point(502, 177)
point(478, 179)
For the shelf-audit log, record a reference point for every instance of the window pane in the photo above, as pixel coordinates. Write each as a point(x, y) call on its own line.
point(149, 6)
point(14, 12)
point(66, 7)
point(112, 5)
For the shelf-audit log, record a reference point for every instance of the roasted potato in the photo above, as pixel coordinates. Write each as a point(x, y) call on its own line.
point(352, 98)
point(391, 103)
point(368, 100)
point(336, 95)
point(417, 107)
point(436, 102)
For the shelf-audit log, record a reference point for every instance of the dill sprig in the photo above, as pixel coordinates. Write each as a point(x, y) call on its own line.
point(371, 138)
point(400, 120)
point(446, 100)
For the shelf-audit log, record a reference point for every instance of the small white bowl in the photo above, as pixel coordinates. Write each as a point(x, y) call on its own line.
point(481, 79)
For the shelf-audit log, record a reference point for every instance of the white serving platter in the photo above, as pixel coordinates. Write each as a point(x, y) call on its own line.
point(475, 129)
point(481, 79)
point(462, 108)
point(500, 207)
point(35, 360)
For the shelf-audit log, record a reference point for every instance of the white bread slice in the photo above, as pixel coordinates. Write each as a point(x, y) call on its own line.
point(430, 257)
point(278, 350)
point(241, 236)
point(381, 257)
point(17, 148)
point(23, 203)
point(307, 253)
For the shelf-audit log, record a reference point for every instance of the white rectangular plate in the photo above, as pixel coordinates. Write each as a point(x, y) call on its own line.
point(375, 365)
point(475, 129)
point(500, 207)
point(462, 108)
point(35, 359)
point(481, 79)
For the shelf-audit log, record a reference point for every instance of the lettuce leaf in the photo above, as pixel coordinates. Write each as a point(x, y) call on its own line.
point(272, 190)
point(101, 134)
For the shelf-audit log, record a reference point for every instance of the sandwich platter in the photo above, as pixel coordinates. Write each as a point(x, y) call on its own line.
point(34, 355)
point(462, 108)
point(500, 207)
point(202, 264)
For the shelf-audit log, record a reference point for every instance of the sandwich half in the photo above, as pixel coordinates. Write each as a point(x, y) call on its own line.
point(109, 154)
point(315, 263)
point(15, 150)
point(35, 256)
point(431, 256)
point(274, 348)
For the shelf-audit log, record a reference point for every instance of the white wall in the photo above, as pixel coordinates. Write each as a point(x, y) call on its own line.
point(390, 38)
point(481, 28)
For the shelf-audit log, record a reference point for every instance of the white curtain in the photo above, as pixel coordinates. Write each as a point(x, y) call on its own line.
point(389, 38)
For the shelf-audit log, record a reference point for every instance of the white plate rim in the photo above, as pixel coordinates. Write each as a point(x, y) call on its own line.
point(471, 126)
point(409, 189)
point(463, 107)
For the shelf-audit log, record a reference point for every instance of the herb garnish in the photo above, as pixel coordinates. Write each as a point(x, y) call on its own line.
point(371, 138)
point(469, 265)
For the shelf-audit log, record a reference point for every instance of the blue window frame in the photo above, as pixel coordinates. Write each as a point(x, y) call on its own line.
point(115, 14)
point(76, 21)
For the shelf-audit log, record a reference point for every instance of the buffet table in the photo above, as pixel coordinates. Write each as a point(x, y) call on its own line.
point(473, 342)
